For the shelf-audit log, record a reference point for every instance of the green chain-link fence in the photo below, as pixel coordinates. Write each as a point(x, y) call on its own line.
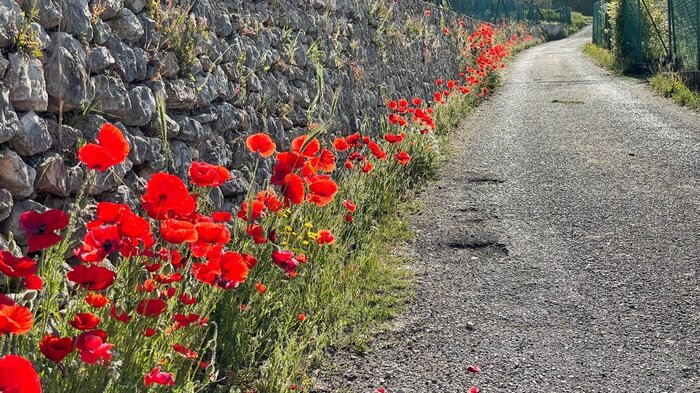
point(685, 32)
point(495, 10)
point(650, 32)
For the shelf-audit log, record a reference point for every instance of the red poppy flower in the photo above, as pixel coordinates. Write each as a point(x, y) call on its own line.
point(376, 150)
point(85, 321)
point(56, 348)
point(111, 149)
point(6, 300)
point(221, 216)
point(249, 260)
point(187, 299)
point(167, 278)
point(326, 161)
point(395, 138)
point(233, 267)
point(15, 319)
point(392, 105)
point(134, 226)
point(184, 351)
point(293, 189)
point(474, 389)
point(367, 168)
point(427, 13)
point(285, 260)
point(325, 237)
point(93, 347)
point(158, 377)
point(96, 300)
point(99, 242)
point(93, 278)
point(260, 287)
point(261, 143)
point(183, 321)
point(255, 213)
point(403, 158)
point(41, 228)
point(321, 192)
point(397, 119)
point(474, 369)
point(151, 307)
point(177, 231)
point(348, 218)
point(417, 101)
point(33, 282)
point(207, 175)
point(340, 144)
point(12, 266)
point(119, 316)
point(350, 206)
point(438, 98)
point(149, 332)
point(257, 233)
point(271, 200)
point(167, 195)
point(310, 148)
point(301, 317)
point(17, 375)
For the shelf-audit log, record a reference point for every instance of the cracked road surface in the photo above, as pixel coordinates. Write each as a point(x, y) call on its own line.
point(559, 251)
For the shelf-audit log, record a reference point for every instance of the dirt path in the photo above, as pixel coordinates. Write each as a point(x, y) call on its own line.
point(560, 249)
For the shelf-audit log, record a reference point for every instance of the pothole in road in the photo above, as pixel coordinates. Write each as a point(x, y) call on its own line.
point(569, 102)
point(497, 247)
point(485, 180)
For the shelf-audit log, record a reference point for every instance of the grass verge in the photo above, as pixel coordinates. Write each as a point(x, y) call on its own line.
point(603, 57)
point(670, 85)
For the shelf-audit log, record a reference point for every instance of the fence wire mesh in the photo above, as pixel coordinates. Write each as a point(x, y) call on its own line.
point(598, 22)
point(686, 33)
point(653, 31)
point(495, 10)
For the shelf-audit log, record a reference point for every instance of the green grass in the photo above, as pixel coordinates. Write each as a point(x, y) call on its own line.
point(670, 85)
point(603, 57)
point(578, 22)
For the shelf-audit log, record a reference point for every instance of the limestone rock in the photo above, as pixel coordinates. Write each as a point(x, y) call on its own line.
point(98, 59)
point(108, 8)
point(25, 75)
point(66, 74)
point(109, 180)
point(16, 176)
point(52, 176)
point(110, 96)
point(142, 106)
point(180, 94)
point(33, 137)
point(10, 20)
point(5, 204)
point(9, 123)
point(127, 25)
point(49, 12)
point(76, 19)
point(131, 63)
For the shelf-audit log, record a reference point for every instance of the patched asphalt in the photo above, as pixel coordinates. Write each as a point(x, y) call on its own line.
point(559, 250)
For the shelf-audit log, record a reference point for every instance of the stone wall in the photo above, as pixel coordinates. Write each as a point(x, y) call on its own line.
point(211, 71)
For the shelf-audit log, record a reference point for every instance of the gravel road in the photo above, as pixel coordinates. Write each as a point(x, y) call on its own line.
point(559, 251)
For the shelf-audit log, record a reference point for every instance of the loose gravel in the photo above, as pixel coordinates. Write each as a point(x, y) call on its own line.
point(559, 251)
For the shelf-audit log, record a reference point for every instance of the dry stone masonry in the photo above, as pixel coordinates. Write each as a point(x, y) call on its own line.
point(188, 81)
